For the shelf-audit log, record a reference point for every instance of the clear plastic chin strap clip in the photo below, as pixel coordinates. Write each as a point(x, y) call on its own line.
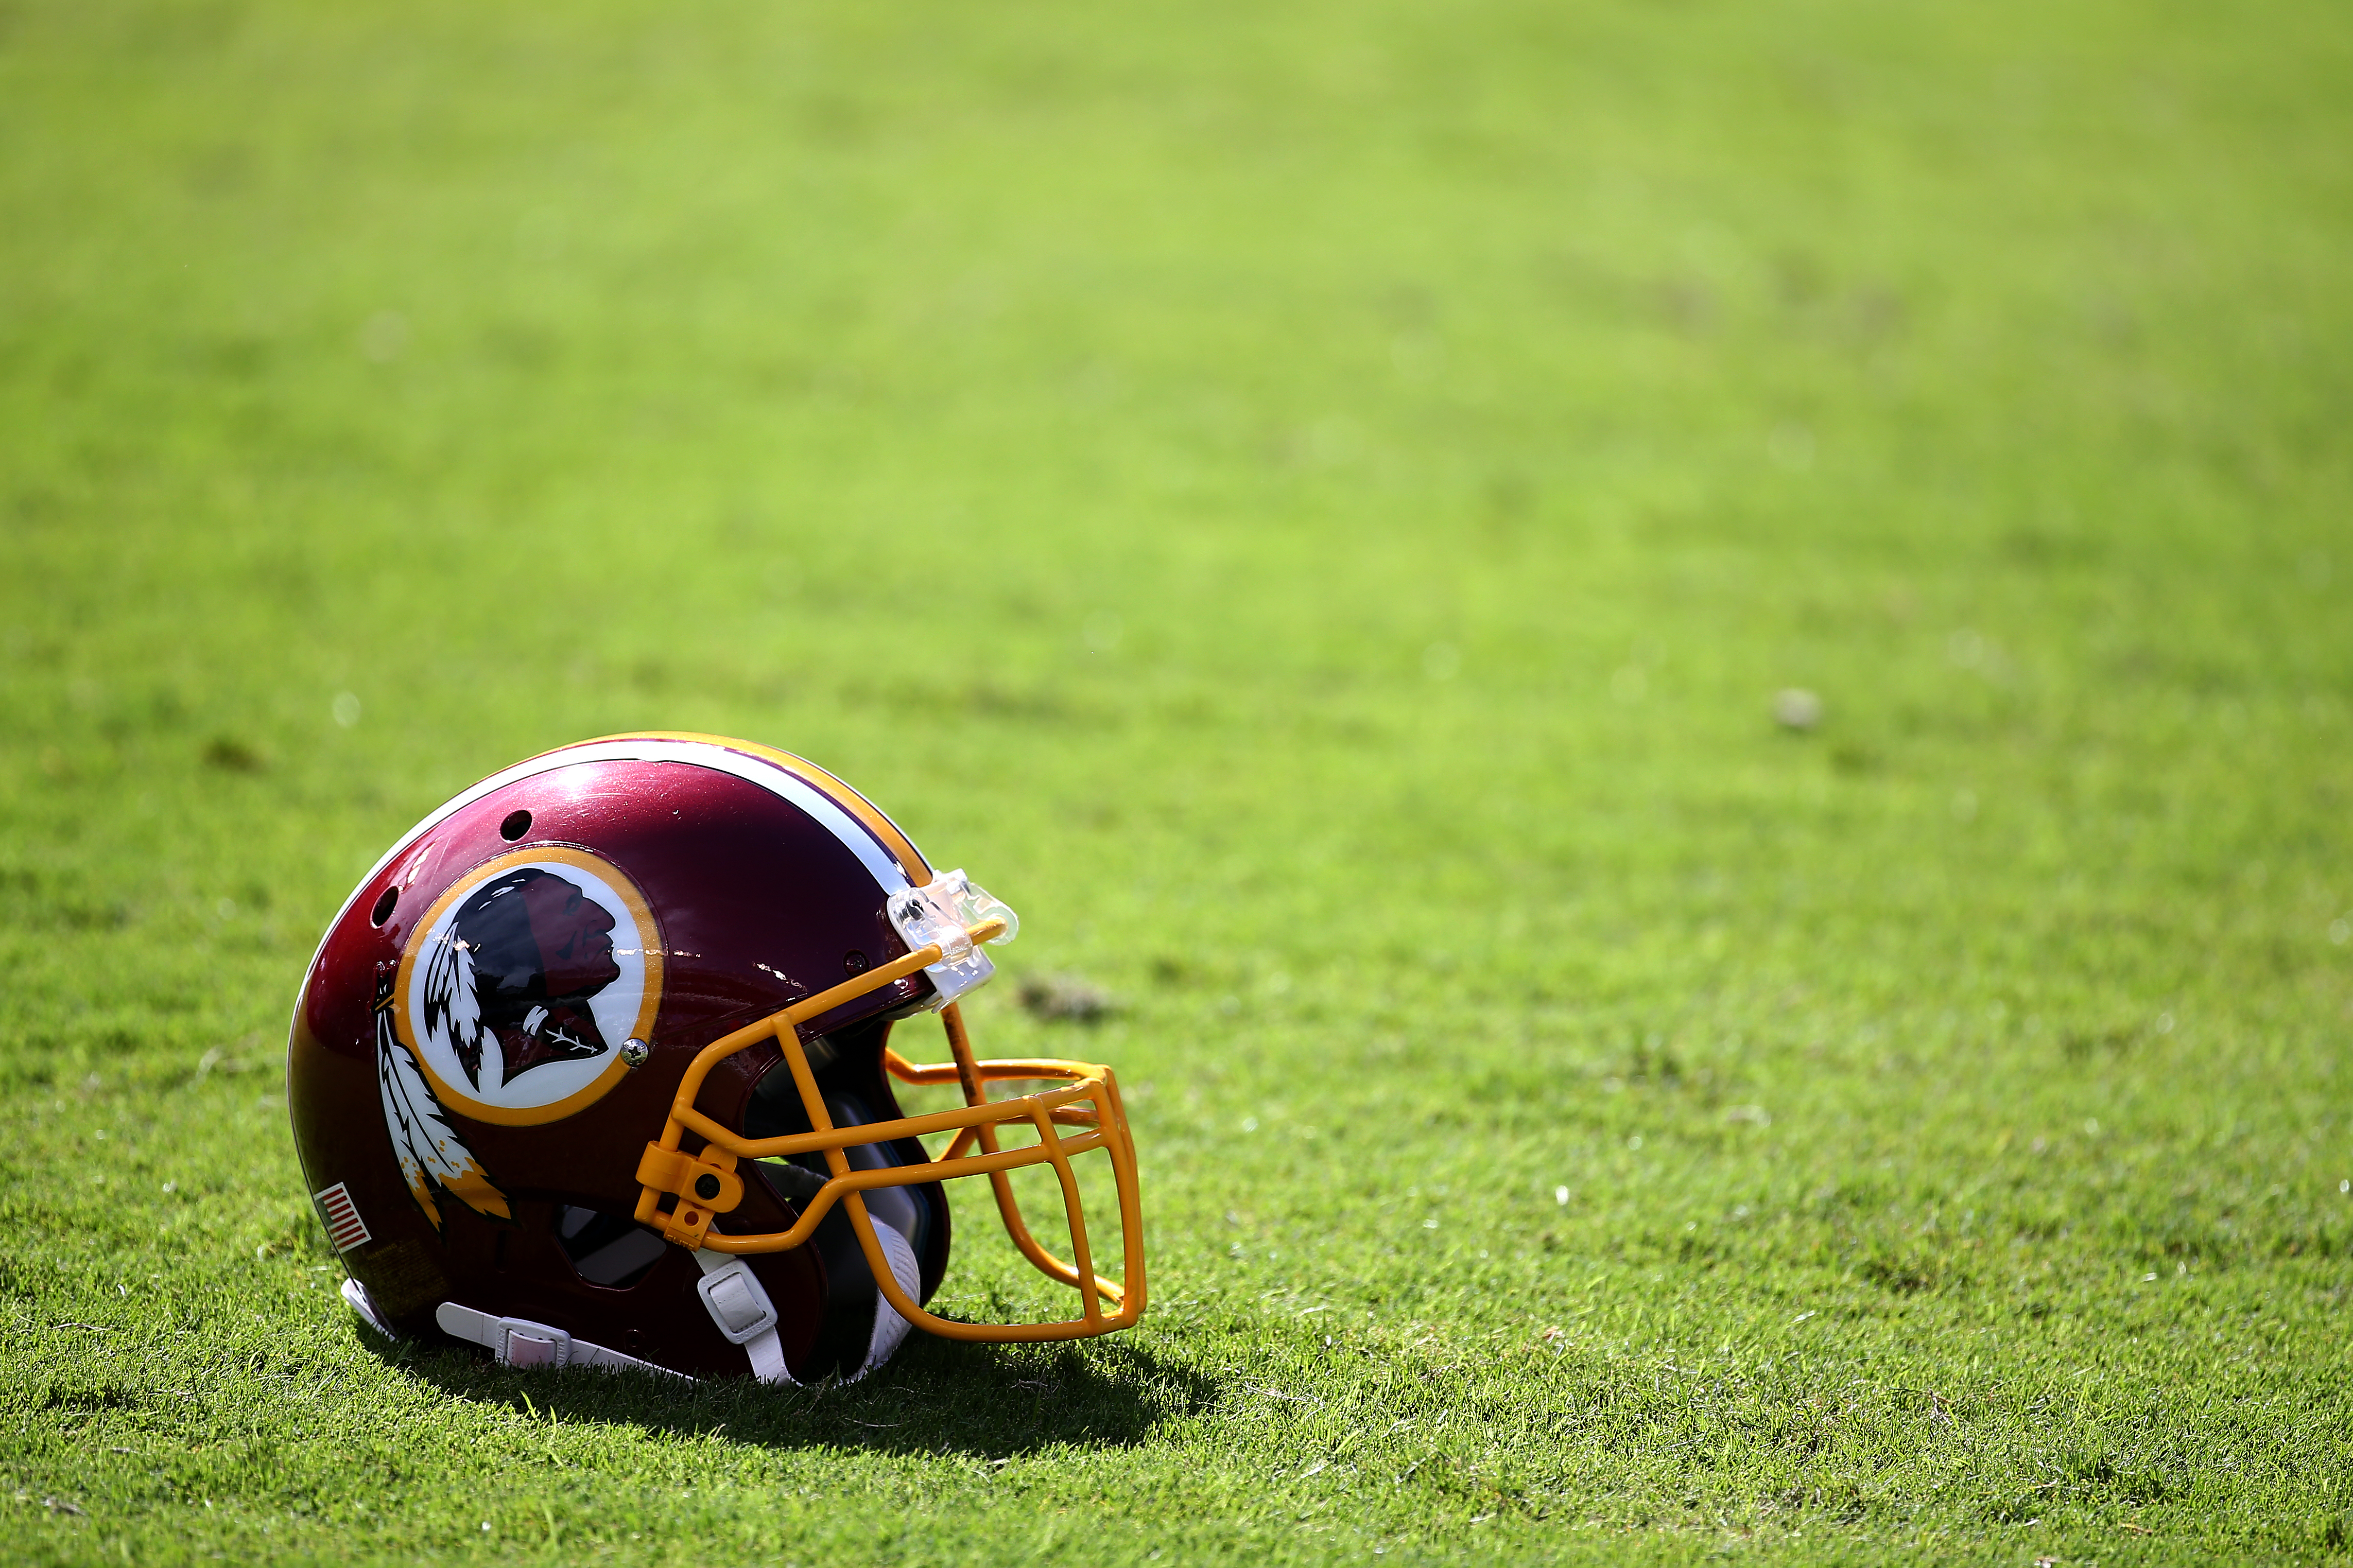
point(940, 913)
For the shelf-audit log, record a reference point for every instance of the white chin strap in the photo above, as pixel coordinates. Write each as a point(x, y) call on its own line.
point(739, 1308)
point(519, 1342)
point(731, 1295)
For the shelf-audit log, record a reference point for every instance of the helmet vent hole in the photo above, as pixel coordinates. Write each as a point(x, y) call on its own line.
point(517, 824)
point(384, 906)
point(854, 962)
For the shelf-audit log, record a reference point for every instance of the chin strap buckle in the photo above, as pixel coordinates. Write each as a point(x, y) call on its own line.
point(742, 1313)
point(520, 1342)
point(732, 1295)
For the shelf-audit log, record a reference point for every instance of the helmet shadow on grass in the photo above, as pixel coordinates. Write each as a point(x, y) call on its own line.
point(937, 1397)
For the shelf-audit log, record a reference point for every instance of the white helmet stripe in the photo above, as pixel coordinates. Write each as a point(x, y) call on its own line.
point(786, 784)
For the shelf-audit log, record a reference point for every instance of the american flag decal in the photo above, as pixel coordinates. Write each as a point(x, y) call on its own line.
point(344, 1227)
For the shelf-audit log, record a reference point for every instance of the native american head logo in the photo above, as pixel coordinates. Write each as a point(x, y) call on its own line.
point(507, 987)
point(509, 1007)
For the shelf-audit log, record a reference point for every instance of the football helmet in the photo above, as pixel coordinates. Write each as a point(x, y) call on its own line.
point(595, 1069)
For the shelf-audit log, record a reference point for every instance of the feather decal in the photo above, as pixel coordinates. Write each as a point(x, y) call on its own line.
point(431, 1155)
point(453, 1011)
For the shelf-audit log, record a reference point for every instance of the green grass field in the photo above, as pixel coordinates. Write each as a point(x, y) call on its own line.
point(1313, 504)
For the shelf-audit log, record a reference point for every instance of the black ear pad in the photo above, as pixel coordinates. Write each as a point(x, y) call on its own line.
point(855, 1088)
point(848, 1326)
point(855, 1083)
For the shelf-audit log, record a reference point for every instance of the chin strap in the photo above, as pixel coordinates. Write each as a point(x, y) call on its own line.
point(740, 1310)
point(519, 1342)
point(738, 1304)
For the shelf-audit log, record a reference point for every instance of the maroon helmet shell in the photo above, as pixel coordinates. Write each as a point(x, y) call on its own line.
point(663, 969)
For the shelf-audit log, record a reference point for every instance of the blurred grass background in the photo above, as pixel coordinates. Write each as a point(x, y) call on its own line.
point(1313, 504)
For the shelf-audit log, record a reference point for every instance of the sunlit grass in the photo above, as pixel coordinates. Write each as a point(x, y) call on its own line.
point(1318, 508)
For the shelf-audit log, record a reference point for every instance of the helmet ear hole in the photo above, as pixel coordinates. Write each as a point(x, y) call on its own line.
point(606, 1249)
point(383, 907)
point(517, 824)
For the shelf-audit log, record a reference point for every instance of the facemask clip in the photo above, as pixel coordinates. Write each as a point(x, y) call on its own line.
point(942, 913)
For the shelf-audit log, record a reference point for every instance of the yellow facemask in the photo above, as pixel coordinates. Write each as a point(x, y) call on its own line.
point(706, 1184)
